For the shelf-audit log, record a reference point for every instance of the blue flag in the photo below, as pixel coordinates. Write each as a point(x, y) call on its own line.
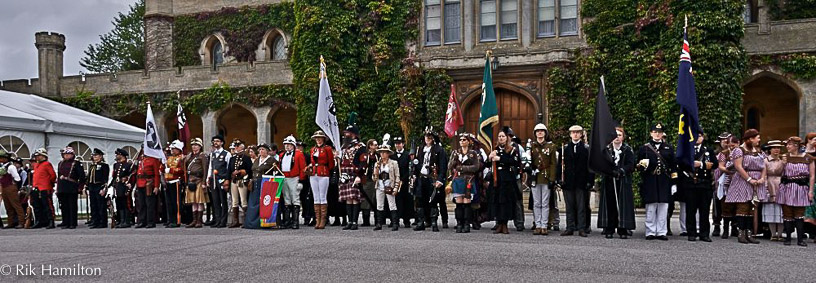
point(689, 127)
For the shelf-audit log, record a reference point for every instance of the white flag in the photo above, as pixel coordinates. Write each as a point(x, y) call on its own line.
point(326, 117)
point(152, 143)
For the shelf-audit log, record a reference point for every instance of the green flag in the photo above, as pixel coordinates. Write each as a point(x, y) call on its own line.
point(489, 114)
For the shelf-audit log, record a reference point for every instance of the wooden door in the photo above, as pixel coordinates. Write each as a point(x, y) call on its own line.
point(515, 110)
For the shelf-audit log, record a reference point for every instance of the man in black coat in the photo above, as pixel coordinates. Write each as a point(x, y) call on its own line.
point(70, 183)
point(576, 180)
point(697, 184)
point(657, 162)
point(430, 168)
point(405, 202)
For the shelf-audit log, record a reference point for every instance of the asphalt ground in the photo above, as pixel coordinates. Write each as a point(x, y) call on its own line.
point(333, 255)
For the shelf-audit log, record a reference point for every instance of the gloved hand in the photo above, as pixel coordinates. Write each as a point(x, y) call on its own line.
point(166, 170)
point(299, 186)
point(673, 189)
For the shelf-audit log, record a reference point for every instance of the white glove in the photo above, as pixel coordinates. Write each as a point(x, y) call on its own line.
point(299, 186)
point(167, 170)
point(644, 163)
point(673, 189)
point(109, 193)
point(357, 180)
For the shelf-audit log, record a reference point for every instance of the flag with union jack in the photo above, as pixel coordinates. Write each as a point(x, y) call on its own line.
point(689, 127)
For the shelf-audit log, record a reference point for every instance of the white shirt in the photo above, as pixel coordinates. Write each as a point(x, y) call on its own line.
point(427, 160)
point(215, 153)
point(286, 163)
point(13, 171)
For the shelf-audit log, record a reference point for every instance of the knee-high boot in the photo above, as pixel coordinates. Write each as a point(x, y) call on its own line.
point(366, 216)
point(350, 213)
point(457, 212)
point(788, 232)
point(395, 220)
point(467, 211)
point(295, 218)
point(379, 220)
point(420, 219)
point(434, 218)
point(355, 215)
point(801, 240)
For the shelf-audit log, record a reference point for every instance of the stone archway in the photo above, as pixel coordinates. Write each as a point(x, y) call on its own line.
point(771, 105)
point(135, 119)
point(194, 123)
point(516, 110)
point(237, 121)
point(283, 122)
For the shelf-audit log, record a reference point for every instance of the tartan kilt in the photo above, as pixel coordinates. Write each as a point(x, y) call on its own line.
point(349, 192)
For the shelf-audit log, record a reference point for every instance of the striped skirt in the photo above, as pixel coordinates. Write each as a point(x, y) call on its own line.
point(742, 191)
point(792, 194)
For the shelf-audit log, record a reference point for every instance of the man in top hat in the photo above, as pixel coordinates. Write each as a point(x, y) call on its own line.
point(240, 170)
point(351, 170)
point(174, 176)
point(123, 170)
point(430, 169)
point(43, 181)
point(696, 184)
point(656, 161)
point(518, 221)
point(8, 178)
point(218, 181)
point(405, 202)
point(148, 182)
point(98, 173)
point(293, 165)
point(71, 179)
point(576, 181)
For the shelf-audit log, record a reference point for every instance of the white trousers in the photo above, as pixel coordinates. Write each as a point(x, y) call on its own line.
point(238, 192)
point(683, 217)
point(656, 214)
point(381, 197)
point(320, 187)
point(541, 205)
point(291, 195)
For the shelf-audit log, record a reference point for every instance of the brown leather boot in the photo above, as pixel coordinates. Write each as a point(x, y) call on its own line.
point(324, 215)
point(200, 219)
point(235, 222)
point(742, 238)
point(194, 222)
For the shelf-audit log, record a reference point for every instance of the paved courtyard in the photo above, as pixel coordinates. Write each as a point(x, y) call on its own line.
point(333, 255)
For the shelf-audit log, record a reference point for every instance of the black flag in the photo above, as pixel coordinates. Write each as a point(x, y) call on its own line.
point(603, 132)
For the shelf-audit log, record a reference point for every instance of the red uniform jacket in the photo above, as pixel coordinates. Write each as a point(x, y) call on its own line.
point(298, 166)
point(324, 162)
point(44, 176)
point(148, 174)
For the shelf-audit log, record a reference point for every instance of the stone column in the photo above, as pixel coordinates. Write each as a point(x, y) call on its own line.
point(158, 21)
point(50, 48)
point(807, 105)
point(209, 128)
point(526, 23)
point(262, 119)
point(763, 18)
point(468, 23)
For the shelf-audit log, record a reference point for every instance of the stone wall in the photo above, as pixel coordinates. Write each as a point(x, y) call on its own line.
point(182, 7)
point(158, 42)
point(780, 37)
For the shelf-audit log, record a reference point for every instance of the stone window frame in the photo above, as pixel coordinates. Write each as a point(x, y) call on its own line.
point(557, 21)
point(443, 4)
point(266, 50)
point(205, 49)
point(498, 11)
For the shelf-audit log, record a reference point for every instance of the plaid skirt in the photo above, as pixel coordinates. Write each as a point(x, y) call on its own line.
point(349, 192)
point(771, 212)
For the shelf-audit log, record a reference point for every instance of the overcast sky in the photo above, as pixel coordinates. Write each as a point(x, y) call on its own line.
point(81, 21)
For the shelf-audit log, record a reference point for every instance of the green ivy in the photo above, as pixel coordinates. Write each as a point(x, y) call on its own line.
point(798, 66)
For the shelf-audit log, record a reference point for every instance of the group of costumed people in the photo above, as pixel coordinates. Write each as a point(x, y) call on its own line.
point(753, 188)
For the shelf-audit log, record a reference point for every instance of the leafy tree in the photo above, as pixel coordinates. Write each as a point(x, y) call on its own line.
point(121, 49)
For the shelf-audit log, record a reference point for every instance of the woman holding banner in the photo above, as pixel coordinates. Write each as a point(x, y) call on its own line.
point(263, 165)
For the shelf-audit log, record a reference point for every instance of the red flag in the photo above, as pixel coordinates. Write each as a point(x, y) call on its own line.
point(453, 117)
point(183, 129)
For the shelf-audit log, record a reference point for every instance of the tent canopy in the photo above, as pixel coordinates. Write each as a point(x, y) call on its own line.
point(34, 113)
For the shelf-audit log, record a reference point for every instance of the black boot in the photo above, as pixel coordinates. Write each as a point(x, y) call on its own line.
point(355, 215)
point(726, 227)
point(801, 240)
point(285, 215)
point(420, 214)
point(366, 216)
point(788, 232)
point(50, 224)
point(378, 220)
point(457, 213)
point(467, 217)
point(395, 221)
point(350, 213)
point(434, 218)
point(716, 231)
point(295, 219)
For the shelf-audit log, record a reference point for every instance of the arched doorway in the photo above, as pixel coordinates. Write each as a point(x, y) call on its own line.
point(515, 110)
point(772, 107)
point(135, 119)
point(237, 122)
point(193, 123)
point(282, 123)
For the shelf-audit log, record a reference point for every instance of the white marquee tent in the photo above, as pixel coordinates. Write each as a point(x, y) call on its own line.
point(28, 122)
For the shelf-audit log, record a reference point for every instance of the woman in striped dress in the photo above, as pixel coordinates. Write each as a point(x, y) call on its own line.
point(771, 210)
point(748, 183)
point(726, 171)
point(796, 191)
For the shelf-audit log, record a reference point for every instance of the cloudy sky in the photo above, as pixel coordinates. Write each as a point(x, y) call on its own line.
point(81, 21)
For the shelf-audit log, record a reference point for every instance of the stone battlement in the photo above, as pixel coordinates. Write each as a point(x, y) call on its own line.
point(164, 80)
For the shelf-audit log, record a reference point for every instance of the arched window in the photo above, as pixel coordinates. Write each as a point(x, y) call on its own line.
point(279, 49)
point(213, 50)
point(15, 146)
point(752, 118)
point(217, 54)
point(83, 153)
point(132, 152)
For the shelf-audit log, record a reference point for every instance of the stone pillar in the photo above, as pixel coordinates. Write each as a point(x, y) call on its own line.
point(469, 24)
point(763, 18)
point(264, 129)
point(807, 105)
point(50, 47)
point(526, 22)
point(158, 21)
point(209, 128)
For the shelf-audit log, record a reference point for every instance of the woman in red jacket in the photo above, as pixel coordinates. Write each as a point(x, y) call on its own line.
point(293, 165)
point(43, 183)
point(323, 162)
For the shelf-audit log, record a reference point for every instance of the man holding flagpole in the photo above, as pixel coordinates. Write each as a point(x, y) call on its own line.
point(148, 174)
